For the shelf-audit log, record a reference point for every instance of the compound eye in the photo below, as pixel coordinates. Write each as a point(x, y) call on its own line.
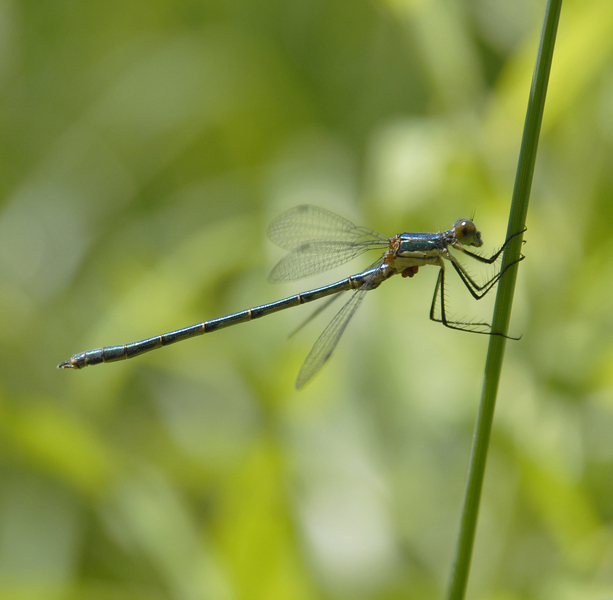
point(466, 233)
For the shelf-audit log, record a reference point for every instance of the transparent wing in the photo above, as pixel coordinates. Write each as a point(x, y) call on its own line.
point(307, 223)
point(318, 240)
point(314, 314)
point(327, 341)
point(315, 258)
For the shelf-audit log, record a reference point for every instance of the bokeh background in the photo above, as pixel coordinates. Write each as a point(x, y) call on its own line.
point(144, 147)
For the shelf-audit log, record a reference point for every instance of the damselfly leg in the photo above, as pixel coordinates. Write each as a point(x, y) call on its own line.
point(478, 291)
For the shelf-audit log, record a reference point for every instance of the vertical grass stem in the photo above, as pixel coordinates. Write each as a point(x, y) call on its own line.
point(504, 302)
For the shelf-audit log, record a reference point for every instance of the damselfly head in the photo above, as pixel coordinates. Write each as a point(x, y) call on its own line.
point(466, 233)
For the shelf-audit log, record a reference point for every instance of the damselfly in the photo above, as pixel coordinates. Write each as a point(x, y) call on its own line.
point(319, 240)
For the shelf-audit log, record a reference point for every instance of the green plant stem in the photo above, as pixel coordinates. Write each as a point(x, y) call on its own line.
point(504, 303)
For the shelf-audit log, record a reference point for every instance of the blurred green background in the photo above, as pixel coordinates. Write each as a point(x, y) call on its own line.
point(144, 147)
